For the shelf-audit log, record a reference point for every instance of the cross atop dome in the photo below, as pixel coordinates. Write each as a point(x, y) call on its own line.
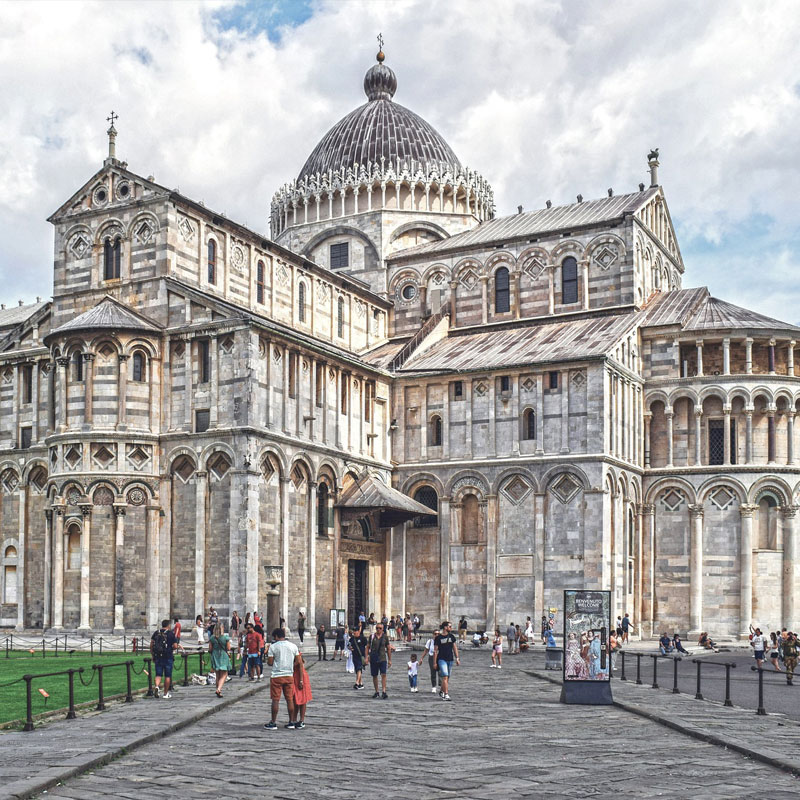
point(380, 82)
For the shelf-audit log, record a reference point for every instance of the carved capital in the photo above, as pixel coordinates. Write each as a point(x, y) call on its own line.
point(698, 412)
point(89, 357)
point(63, 361)
point(119, 509)
point(747, 510)
point(646, 509)
point(86, 509)
point(695, 510)
point(789, 511)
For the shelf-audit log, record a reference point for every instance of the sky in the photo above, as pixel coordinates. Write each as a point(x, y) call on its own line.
point(547, 99)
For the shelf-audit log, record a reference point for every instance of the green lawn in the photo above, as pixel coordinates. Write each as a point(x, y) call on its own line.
point(12, 697)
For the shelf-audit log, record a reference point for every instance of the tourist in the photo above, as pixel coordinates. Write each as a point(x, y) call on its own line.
point(477, 639)
point(462, 629)
point(283, 657)
point(301, 626)
point(705, 641)
point(430, 648)
point(177, 628)
point(405, 626)
point(619, 627)
point(302, 692)
point(529, 630)
point(759, 644)
point(523, 643)
point(511, 638)
point(775, 651)
point(391, 629)
point(362, 620)
point(339, 646)
point(678, 644)
point(545, 628)
point(413, 668)
point(162, 649)
point(380, 659)
point(614, 646)
point(664, 644)
point(371, 622)
point(219, 646)
point(200, 631)
point(550, 640)
point(627, 627)
point(254, 643)
point(358, 649)
point(790, 656)
point(445, 652)
point(213, 619)
point(497, 650)
point(322, 653)
point(236, 622)
point(415, 622)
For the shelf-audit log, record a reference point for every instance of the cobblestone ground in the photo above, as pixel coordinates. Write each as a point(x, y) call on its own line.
point(503, 735)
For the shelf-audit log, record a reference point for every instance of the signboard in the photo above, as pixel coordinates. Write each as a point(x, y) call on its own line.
point(342, 617)
point(587, 659)
point(332, 619)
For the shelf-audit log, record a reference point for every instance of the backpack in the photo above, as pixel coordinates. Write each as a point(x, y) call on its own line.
point(160, 644)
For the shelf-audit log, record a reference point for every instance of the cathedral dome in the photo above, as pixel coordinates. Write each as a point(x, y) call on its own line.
point(380, 129)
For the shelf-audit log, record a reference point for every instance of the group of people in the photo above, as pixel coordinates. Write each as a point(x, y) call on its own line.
point(778, 646)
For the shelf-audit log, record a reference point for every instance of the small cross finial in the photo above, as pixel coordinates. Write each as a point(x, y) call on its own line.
point(112, 135)
point(112, 118)
point(380, 41)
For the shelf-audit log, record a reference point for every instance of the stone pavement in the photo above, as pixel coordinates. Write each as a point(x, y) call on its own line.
point(505, 734)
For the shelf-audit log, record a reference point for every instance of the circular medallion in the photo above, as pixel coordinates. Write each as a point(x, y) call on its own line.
point(136, 497)
point(100, 196)
point(237, 256)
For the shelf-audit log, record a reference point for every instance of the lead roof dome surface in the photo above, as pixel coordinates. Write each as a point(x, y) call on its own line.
point(379, 129)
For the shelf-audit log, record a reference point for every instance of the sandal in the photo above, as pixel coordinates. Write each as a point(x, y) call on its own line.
point(218, 693)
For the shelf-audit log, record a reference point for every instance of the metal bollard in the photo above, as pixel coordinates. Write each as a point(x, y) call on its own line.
point(675, 661)
point(200, 659)
point(698, 694)
point(6, 646)
point(149, 671)
point(655, 672)
point(638, 669)
point(101, 645)
point(124, 644)
point(622, 676)
point(43, 646)
point(71, 711)
point(91, 644)
point(56, 651)
point(129, 695)
point(101, 706)
point(185, 670)
point(761, 711)
point(28, 702)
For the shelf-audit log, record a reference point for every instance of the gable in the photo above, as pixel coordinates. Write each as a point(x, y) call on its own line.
point(654, 215)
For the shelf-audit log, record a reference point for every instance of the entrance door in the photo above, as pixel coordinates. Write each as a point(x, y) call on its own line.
point(356, 589)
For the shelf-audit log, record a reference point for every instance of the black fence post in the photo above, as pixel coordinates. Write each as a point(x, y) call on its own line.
point(698, 694)
point(101, 706)
point(28, 702)
point(185, 670)
point(43, 646)
point(638, 669)
point(149, 671)
point(129, 696)
point(101, 645)
point(675, 689)
point(71, 710)
point(728, 684)
point(91, 644)
point(655, 672)
point(622, 676)
point(56, 650)
point(124, 644)
point(761, 711)
point(65, 642)
point(200, 661)
point(6, 646)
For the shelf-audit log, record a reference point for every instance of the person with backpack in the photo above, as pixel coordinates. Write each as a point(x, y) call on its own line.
point(358, 649)
point(162, 649)
point(380, 659)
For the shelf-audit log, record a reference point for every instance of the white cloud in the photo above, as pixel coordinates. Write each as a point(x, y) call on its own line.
point(546, 99)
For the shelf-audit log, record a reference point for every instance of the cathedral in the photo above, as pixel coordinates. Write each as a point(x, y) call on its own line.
point(395, 402)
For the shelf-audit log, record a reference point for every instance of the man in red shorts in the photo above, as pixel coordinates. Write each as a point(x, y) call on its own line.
point(282, 657)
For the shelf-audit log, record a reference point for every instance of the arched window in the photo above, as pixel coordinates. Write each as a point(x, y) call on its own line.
point(340, 318)
point(502, 299)
point(10, 575)
point(112, 258)
point(366, 529)
point(322, 510)
point(77, 363)
point(73, 547)
point(470, 520)
point(301, 302)
point(435, 431)
point(569, 280)
point(138, 374)
point(212, 261)
point(529, 424)
point(260, 282)
point(426, 495)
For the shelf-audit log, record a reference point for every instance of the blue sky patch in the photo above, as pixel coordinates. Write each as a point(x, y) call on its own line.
point(271, 16)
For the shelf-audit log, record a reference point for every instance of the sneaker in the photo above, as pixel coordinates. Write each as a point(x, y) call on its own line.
point(355, 686)
point(499, 666)
point(258, 678)
point(298, 726)
point(155, 692)
point(376, 695)
point(271, 726)
point(446, 697)
point(494, 665)
point(385, 696)
point(167, 695)
point(290, 726)
point(360, 686)
point(434, 690)
point(441, 694)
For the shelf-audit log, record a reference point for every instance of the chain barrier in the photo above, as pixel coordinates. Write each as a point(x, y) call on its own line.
point(80, 675)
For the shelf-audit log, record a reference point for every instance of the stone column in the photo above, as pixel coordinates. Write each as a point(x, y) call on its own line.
point(698, 436)
point(746, 571)
point(647, 560)
point(669, 415)
point(484, 279)
point(771, 356)
point(771, 435)
point(490, 511)
point(337, 407)
point(285, 411)
point(517, 293)
point(63, 362)
point(726, 356)
point(551, 289)
point(696, 570)
point(188, 384)
point(88, 386)
point(153, 559)
point(201, 483)
point(790, 567)
point(585, 273)
point(268, 382)
point(748, 356)
point(312, 400)
point(447, 513)
point(35, 401)
point(699, 344)
point(48, 567)
point(726, 428)
point(213, 386)
point(22, 524)
point(58, 570)
point(790, 358)
point(538, 554)
point(748, 437)
point(790, 437)
point(312, 554)
point(284, 484)
point(252, 556)
point(86, 540)
point(540, 414)
point(122, 405)
point(119, 567)
point(453, 287)
point(647, 417)
point(564, 377)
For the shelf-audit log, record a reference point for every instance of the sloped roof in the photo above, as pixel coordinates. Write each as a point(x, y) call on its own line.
point(565, 340)
point(108, 314)
point(714, 314)
point(382, 355)
point(533, 223)
point(18, 314)
point(369, 493)
point(672, 308)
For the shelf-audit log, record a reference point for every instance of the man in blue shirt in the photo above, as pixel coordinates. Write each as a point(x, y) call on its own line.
point(162, 649)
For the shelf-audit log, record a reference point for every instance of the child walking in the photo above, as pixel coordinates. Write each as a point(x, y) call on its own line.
point(413, 667)
point(302, 693)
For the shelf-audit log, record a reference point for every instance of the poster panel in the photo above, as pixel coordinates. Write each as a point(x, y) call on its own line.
point(587, 622)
